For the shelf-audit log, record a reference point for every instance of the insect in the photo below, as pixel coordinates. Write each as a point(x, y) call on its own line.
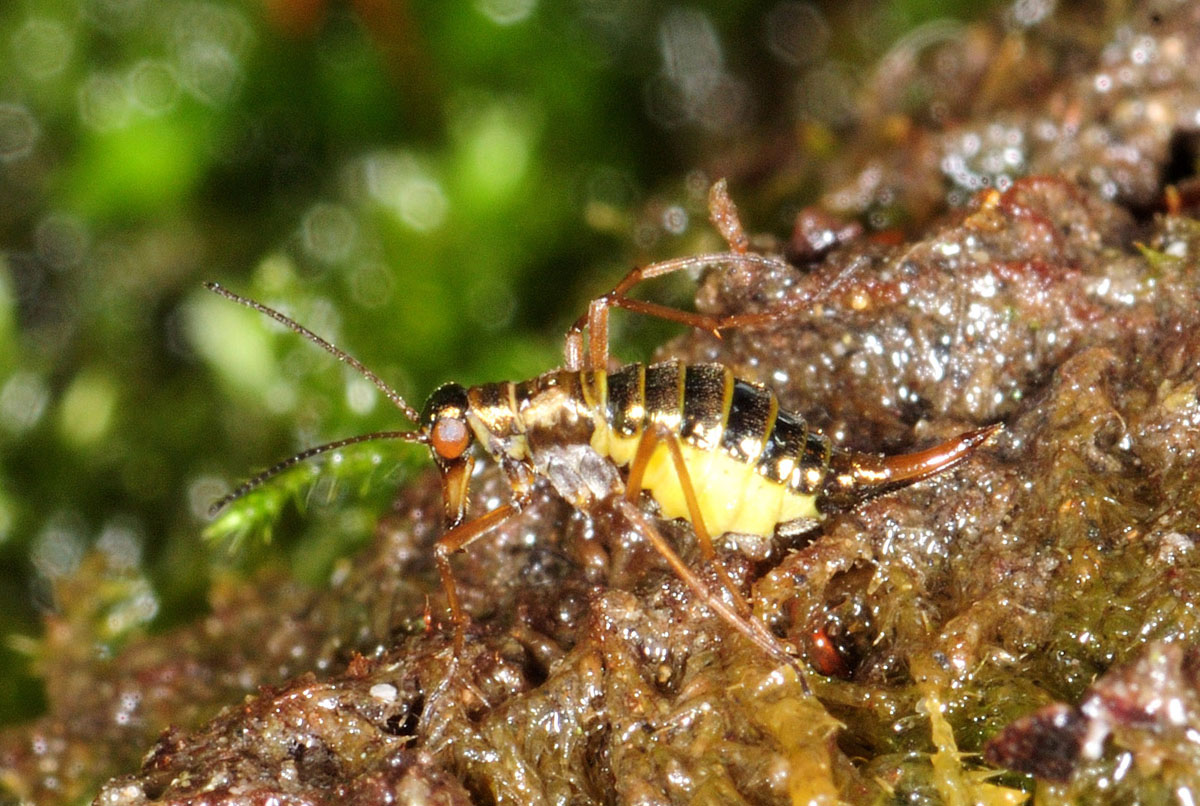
point(709, 448)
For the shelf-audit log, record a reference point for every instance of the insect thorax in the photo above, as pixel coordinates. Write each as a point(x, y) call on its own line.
point(546, 425)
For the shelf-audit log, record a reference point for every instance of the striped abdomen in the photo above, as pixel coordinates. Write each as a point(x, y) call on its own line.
point(752, 465)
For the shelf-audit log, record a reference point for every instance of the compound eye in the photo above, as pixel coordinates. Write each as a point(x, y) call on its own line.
point(450, 437)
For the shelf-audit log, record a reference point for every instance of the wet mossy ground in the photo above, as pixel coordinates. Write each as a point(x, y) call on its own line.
point(1024, 622)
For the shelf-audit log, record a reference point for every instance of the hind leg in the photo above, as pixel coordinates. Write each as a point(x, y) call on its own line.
point(652, 437)
point(750, 627)
point(595, 321)
point(740, 616)
point(724, 217)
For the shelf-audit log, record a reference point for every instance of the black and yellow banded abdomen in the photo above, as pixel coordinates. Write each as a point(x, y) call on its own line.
point(751, 465)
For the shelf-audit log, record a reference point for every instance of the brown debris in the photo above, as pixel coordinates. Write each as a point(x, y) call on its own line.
point(1150, 708)
point(1046, 743)
point(1117, 120)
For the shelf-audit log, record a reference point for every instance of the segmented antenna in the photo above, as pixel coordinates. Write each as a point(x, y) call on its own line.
point(337, 353)
point(250, 484)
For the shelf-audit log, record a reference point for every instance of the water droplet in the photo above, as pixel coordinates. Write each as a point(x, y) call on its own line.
point(490, 304)
point(103, 102)
point(153, 86)
point(210, 43)
point(361, 395)
point(693, 86)
point(23, 400)
point(19, 131)
point(121, 541)
point(675, 220)
point(201, 494)
point(329, 232)
point(85, 412)
point(506, 12)
point(56, 552)
point(1031, 12)
point(400, 183)
point(42, 47)
point(797, 32)
point(827, 93)
point(209, 72)
point(62, 240)
point(114, 15)
point(371, 284)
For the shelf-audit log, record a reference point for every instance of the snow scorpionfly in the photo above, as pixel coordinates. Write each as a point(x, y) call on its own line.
point(709, 448)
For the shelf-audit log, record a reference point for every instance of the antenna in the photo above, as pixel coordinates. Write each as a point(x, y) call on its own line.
point(337, 353)
point(250, 484)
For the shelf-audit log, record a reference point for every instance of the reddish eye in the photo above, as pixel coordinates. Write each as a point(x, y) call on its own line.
point(450, 438)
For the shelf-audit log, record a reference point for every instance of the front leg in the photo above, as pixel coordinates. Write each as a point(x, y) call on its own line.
point(462, 533)
point(457, 539)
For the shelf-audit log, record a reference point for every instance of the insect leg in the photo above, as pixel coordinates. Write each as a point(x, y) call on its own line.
point(454, 540)
point(651, 438)
point(749, 627)
point(723, 214)
point(742, 619)
point(595, 321)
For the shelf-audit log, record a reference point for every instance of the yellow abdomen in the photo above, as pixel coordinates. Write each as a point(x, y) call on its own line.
point(732, 495)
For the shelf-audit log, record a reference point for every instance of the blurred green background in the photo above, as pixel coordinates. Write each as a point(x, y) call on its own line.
point(437, 187)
